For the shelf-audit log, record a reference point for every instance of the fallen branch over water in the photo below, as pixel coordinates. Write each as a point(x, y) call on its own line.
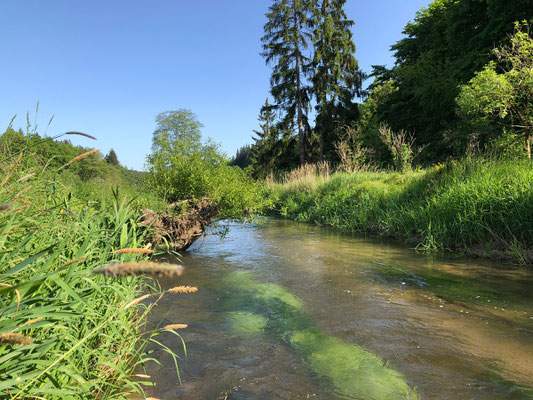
point(177, 232)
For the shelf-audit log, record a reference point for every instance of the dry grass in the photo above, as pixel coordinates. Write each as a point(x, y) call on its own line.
point(137, 301)
point(79, 158)
point(309, 175)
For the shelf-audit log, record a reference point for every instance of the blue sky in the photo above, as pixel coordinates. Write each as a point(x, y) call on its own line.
point(108, 68)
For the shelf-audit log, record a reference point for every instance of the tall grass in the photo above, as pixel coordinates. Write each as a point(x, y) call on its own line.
point(66, 332)
point(474, 205)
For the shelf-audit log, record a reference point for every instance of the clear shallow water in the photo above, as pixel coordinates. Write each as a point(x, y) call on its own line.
point(451, 328)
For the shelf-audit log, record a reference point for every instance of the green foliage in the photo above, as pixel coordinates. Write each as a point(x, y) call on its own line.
point(179, 128)
point(274, 148)
point(182, 167)
point(288, 33)
point(336, 76)
point(309, 43)
point(453, 206)
point(504, 93)
point(445, 45)
point(88, 178)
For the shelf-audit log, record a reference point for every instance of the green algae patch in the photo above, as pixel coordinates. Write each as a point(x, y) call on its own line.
point(264, 291)
point(348, 370)
point(245, 322)
point(351, 370)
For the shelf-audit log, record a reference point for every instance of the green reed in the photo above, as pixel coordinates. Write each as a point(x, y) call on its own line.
point(65, 332)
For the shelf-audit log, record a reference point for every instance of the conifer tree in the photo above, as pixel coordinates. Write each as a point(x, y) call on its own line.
point(336, 78)
point(288, 33)
point(263, 150)
point(112, 158)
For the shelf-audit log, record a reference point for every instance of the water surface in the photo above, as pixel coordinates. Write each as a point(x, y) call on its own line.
point(449, 328)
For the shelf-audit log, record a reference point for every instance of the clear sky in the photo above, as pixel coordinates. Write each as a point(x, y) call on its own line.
point(108, 67)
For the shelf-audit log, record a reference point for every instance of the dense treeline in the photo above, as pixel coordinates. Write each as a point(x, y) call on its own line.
point(413, 108)
point(52, 153)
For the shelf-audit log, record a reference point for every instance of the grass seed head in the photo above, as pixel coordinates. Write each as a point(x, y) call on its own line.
point(15, 338)
point(81, 134)
point(159, 270)
point(183, 289)
point(79, 158)
point(31, 322)
point(137, 301)
point(171, 327)
point(134, 251)
point(26, 177)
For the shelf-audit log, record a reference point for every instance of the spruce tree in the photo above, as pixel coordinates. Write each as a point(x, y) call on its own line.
point(112, 158)
point(263, 150)
point(288, 33)
point(336, 78)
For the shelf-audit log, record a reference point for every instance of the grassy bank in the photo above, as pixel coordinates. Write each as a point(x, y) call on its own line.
point(478, 206)
point(66, 332)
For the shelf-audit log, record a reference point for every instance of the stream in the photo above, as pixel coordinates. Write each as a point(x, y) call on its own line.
point(286, 310)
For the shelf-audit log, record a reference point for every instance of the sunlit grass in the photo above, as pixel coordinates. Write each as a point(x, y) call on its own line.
point(455, 206)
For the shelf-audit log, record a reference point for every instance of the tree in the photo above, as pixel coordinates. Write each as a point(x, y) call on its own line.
point(336, 78)
point(503, 91)
point(112, 158)
point(243, 157)
point(181, 166)
point(177, 131)
point(265, 142)
point(443, 47)
point(286, 39)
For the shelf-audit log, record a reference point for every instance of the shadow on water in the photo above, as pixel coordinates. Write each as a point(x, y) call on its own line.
point(290, 311)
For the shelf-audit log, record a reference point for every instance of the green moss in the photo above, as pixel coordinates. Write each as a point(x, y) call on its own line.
point(245, 322)
point(347, 369)
point(351, 370)
point(263, 291)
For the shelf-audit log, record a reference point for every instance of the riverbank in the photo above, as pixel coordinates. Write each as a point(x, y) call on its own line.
point(69, 327)
point(478, 207)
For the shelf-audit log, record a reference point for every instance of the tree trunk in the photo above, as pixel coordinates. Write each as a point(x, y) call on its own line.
point(321, 145)
point(301, 135)
point(528, 146)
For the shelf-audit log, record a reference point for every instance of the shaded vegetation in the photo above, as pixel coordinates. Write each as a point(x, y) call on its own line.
point(449, 47)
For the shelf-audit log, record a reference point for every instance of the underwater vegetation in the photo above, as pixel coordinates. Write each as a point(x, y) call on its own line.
point(347, 369)
point(468, 290)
